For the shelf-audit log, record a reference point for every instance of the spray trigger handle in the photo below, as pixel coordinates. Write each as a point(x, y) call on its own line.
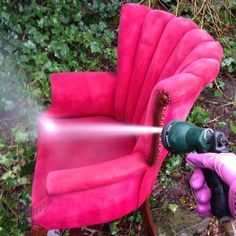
point(219, 190)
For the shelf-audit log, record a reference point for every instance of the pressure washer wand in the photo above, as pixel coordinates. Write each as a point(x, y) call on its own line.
point(184, 137)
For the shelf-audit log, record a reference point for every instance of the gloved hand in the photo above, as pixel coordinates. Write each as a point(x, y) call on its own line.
point(224, 164)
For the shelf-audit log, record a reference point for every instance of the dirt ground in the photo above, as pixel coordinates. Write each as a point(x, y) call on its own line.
point(222, 108)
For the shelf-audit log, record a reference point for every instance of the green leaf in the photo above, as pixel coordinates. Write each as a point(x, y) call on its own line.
point(189, 168)
point(2, 143)
point(8, 175)
point(64, 50)
point(139, 218)
point(172, 207)
point(94, 47)
point(165, 181)
point(228, 61)
point(114, 227)
point(221, 124)
point(23, 181)
point(175, 162)
point(77, 16)
point(199, 116)
point(217, 93)
point(41, 23)
point(131, 218)
point(41, 58)
point(21, 136)
point(8, 159)
point(210, 85)
point(232, 127)
point(29, 45)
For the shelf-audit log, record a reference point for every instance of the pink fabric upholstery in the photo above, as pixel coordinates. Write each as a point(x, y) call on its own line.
point(83, 181)
point(66, 180)
point(189, 86)
point(73, 91)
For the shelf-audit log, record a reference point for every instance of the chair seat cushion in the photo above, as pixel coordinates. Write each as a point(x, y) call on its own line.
point(61, 147)
point(68, 147)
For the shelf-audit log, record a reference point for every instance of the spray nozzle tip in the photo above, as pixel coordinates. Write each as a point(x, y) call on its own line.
point(48, 125)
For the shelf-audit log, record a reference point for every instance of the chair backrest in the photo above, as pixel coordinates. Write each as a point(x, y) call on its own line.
point(153, 45)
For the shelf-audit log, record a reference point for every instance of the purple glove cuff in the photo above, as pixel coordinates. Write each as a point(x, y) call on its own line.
point(232, 199)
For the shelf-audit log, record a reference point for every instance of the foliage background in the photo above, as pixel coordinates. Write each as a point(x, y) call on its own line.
point(40, 37)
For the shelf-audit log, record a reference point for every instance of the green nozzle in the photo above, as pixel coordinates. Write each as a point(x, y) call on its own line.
point(184, 137)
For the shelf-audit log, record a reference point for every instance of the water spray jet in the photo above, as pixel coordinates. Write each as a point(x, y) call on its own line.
point(98, 129)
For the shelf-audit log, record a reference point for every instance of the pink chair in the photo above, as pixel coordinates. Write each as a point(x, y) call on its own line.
point(164, 62)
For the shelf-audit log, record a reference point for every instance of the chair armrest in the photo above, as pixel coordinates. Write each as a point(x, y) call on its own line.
point(178, 91)
point(172, 98)
point(78, 179)
point(82, 93)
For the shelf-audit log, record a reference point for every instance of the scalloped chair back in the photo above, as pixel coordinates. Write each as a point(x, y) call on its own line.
point(152, 46)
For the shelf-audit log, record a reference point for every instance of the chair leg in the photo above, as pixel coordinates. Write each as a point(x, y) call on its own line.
point(148, 222)
point(37, 230)
point(74, 232)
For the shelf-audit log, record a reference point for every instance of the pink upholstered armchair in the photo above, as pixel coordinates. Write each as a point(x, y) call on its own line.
point(163, 64)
